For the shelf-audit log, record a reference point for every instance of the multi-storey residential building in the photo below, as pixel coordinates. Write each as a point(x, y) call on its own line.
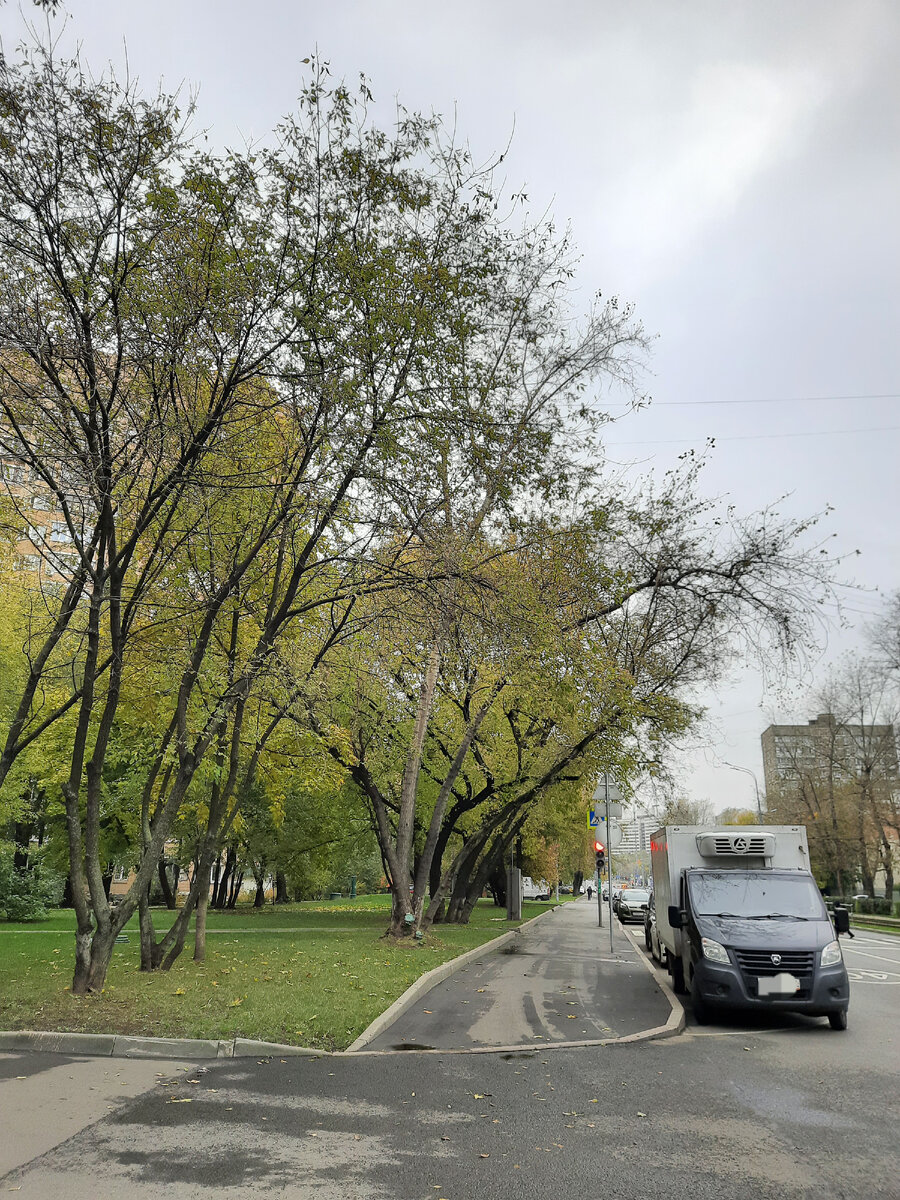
point(42, 541)
point(825, 745)
point(636, 831)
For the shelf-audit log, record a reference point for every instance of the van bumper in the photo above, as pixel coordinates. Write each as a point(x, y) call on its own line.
point(826, 990)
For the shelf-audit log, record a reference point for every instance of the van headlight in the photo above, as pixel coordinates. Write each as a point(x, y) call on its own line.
point(831, 954)
point(714, 951)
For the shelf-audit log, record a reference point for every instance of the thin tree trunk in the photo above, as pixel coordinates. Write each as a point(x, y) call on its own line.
point(168, 897)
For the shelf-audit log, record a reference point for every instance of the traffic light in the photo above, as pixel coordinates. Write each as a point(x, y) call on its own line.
point(600, 851)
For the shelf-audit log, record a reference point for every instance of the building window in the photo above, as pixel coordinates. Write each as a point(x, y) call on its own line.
point(59, 533)
point(41, 503)
point(13, 472)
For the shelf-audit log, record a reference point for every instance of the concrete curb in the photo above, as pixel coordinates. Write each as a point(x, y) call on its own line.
point(116, 1045)
point(677, 1019)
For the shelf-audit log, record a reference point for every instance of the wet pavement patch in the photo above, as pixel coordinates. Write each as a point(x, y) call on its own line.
point(210, 1168)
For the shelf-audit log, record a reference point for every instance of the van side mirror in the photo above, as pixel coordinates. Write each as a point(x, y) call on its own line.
point(674, 914)
point(841, 919)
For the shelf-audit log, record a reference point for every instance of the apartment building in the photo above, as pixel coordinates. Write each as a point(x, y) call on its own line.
point(41, 537)
point(825, 744)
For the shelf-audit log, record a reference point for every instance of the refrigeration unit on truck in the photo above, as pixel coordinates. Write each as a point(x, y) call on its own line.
point(742, 922)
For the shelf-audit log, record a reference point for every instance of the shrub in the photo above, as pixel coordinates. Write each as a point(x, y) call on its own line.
point(26, 895)
point(874, 907)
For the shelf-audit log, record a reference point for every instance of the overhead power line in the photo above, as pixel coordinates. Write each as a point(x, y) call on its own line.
point(781, 400)
point(753, 437)
point(767, 400)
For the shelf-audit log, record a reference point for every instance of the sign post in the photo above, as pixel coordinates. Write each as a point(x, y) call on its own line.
point(607, 792)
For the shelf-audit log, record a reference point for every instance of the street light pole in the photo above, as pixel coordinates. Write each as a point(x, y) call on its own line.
point(752, 775)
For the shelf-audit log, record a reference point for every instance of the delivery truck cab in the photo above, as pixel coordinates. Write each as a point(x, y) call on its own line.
point(743, 923)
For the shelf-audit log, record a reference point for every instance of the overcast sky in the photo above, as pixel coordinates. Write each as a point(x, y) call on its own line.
point(731, 168)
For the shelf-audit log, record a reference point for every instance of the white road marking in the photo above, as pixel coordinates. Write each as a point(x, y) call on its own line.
point(879, 957)
point(856, 976)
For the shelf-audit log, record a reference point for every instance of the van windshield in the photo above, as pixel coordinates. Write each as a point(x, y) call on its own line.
point(755, 896)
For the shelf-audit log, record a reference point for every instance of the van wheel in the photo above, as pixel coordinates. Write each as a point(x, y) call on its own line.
point(676, 970)
point(838, 1020)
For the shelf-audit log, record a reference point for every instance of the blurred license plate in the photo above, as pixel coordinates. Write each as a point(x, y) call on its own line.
point(779, 985)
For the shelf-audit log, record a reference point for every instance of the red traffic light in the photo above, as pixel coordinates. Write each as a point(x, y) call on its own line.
point(599, 847)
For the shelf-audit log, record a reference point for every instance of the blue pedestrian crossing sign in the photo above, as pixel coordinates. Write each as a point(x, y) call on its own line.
point(594, 818)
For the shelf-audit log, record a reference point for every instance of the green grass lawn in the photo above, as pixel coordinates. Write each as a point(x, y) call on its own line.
point(312, 974)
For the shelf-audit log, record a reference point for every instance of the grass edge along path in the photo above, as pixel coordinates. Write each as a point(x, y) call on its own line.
point(314, 974)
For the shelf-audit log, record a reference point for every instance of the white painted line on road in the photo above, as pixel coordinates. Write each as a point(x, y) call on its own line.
point(879, 957)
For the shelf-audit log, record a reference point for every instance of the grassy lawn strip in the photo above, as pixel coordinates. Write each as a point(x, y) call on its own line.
point(311, 974)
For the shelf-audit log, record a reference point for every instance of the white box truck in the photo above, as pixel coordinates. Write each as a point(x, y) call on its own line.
point(742, 922)
point(535, 889)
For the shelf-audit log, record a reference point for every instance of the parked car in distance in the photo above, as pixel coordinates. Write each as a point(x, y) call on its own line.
point(633, 903)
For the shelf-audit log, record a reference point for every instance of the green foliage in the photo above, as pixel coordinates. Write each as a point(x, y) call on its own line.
point(27, 895)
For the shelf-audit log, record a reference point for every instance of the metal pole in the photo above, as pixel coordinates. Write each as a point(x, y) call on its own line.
point(608, 864)
point(599, 897)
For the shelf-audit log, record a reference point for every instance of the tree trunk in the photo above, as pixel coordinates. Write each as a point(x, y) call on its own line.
point(216, 874)
point(237, 881)
point(168, 897)
point(281, 888)
point(202, 909)
point(260, 898)
point(497, 882)
point(149, 950)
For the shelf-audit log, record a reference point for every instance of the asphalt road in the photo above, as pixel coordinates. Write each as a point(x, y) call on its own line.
point(753, 1109)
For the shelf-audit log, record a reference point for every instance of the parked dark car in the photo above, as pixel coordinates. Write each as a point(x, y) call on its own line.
point(633, 903)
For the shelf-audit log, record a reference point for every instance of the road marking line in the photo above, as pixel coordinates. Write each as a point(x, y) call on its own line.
point(881, 958)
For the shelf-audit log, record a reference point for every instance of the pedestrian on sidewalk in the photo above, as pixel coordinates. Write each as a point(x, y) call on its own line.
point(590, 891)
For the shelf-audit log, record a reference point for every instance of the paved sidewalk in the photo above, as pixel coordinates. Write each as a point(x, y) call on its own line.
point(557, 983)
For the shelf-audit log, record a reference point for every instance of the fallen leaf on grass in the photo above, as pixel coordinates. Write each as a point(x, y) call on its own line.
point(235, 1003)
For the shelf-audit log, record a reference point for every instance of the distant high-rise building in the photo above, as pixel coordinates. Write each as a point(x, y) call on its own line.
point(636, 831)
